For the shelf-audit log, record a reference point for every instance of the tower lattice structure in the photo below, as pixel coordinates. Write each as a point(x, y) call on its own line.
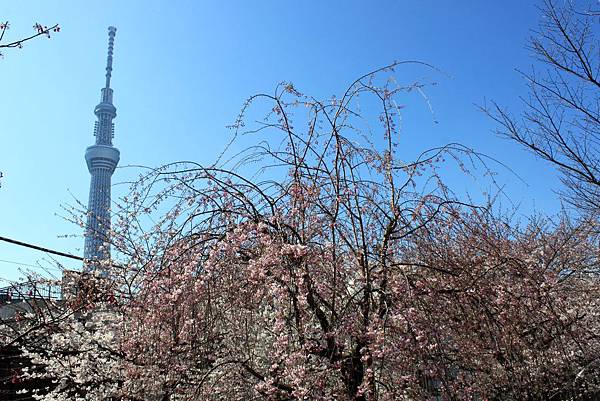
point(102, 159)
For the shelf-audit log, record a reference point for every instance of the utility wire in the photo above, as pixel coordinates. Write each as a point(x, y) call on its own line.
point(12, 262)
point(47, 250)
point(38, 266)
point(40, 248)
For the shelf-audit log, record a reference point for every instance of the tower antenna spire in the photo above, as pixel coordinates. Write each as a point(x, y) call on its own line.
point(109, 59)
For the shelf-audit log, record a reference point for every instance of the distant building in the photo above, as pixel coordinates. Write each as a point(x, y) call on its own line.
point(17, 301)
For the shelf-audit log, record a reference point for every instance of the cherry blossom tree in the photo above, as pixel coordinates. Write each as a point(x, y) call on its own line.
point(317, 264)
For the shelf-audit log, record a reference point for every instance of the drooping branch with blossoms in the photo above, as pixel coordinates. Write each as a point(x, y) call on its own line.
point(317, 264)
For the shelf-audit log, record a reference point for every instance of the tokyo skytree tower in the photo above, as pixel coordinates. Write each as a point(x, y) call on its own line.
point(102, 159)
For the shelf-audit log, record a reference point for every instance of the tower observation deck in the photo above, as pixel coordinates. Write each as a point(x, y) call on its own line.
point(102, 159)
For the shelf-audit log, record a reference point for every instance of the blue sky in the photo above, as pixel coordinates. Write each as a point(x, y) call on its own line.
point(182, 69)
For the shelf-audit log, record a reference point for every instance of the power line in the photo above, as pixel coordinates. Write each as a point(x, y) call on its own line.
point(12, 262)
point(17, 263)
point(40, 248)
point(47, 250)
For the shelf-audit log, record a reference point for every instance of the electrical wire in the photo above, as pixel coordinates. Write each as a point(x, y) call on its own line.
point(47, 250)
point(40, 248)
point(12, 262)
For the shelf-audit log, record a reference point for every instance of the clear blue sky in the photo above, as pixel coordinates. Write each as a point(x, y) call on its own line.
point(182, 69)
